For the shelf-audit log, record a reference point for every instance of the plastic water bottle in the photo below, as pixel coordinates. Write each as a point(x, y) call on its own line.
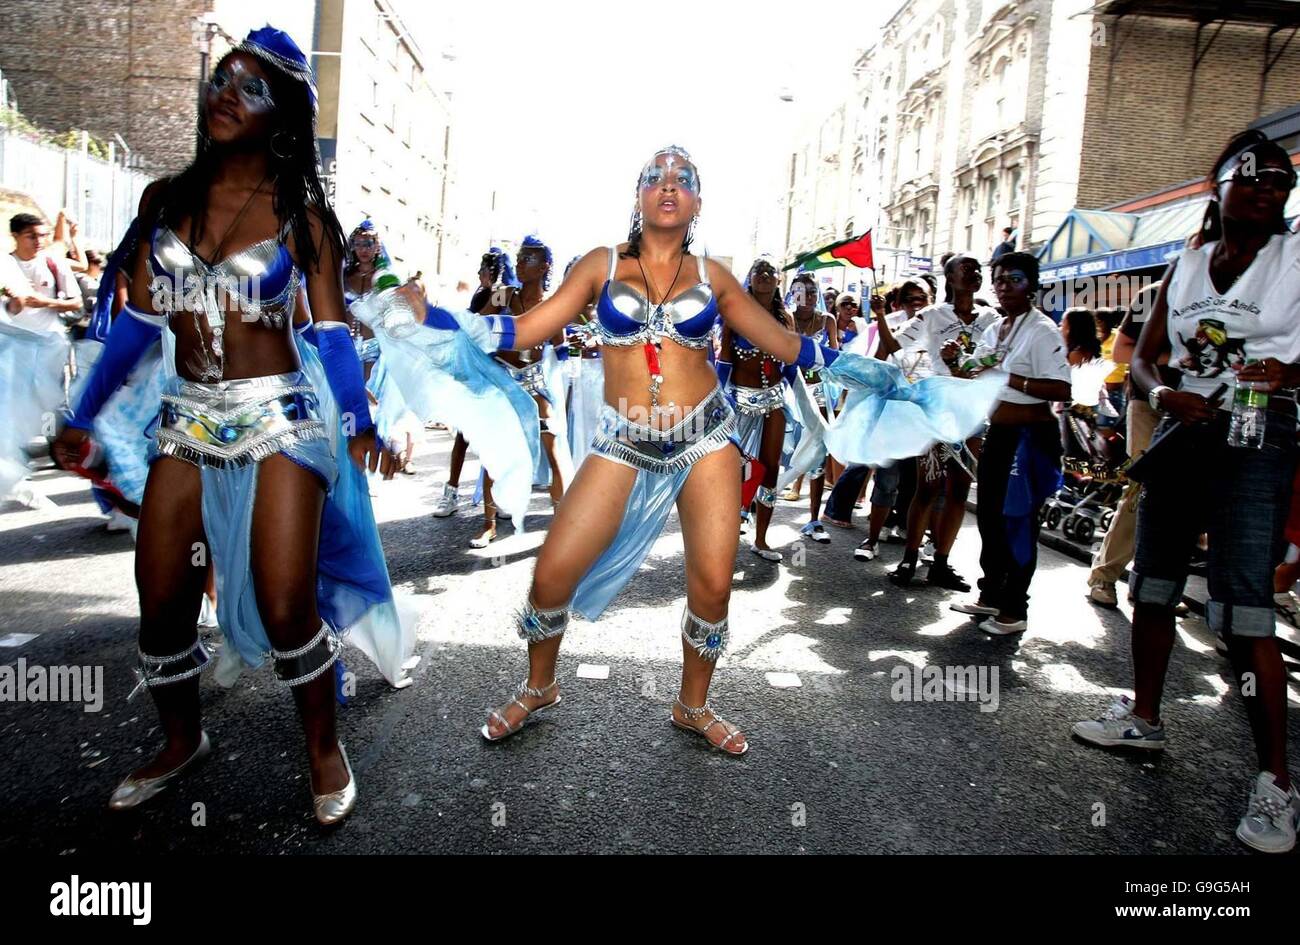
point(1249, 416)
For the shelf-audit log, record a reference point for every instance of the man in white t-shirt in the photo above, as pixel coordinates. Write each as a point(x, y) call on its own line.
point(946, 332)
point(38, 290)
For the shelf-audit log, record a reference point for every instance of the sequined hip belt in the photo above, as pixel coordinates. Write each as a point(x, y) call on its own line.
point(529, 377)
point(759, 401)
point(237, 422)
point(708, 427)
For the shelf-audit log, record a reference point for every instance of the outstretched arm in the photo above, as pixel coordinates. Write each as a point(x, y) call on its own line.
point(746, 317)
point(546, 321)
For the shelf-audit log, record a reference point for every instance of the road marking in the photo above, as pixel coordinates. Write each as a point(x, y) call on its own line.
point(16, 639)
point(592, 671)
point(784, 680)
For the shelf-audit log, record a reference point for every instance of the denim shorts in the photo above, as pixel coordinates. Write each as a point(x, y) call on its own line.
point(1240, 497)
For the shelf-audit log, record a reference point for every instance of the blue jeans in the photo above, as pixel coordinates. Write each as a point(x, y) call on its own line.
point(1240, 497)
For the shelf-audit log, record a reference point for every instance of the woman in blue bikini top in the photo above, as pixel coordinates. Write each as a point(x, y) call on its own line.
point(666, 421)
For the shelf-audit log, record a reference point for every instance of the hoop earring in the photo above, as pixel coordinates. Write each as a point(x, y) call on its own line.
point(282, 157)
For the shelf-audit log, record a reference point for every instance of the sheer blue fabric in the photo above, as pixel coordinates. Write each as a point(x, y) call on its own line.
point(31, 393)
point(885, 418)
point(444, 376)
point(353, 592)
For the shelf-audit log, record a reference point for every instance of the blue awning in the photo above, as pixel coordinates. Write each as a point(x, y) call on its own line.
point(1124, 260)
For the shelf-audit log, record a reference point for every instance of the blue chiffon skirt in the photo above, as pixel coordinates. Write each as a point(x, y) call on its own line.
point(31, 393)
point(885, 418)
point(353, 593)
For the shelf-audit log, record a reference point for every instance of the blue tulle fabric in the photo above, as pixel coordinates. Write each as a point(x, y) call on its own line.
point(587, 394)
point(353, 593)
point(651, 499)
point(31, 393)
point(885, 418)
point(443, 376)
point(125, 425)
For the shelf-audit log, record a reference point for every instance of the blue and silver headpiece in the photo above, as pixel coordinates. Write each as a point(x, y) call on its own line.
point(532, 242)
point(277, 48)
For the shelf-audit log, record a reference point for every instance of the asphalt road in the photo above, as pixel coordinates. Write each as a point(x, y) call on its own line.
point(838, 764)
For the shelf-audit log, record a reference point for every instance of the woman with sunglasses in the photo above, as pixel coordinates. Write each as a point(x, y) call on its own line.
point(1228, 311)
point(1023, 434)
point(755, 381)
point(258, 456)
point(667, 442)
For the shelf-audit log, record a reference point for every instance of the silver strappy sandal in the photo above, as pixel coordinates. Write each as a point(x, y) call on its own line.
point(523, 690)
point(694, 715)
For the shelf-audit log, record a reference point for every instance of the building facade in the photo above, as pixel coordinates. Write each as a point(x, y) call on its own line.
point(968, 116)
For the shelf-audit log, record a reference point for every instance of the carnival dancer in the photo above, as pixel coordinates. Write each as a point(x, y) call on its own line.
point(667, 442)
point(947, 333)
point(811, 320)
point(396, 425)
point(495, 273)
point(260, 443)
point(755, 382)
point(537, 371)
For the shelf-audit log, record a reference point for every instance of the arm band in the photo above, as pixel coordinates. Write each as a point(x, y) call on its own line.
point(132, 334)
point(503, 331)
point(307, 331)
point(813, 355)
point(724, 372)
point(343, 371)
point(435, 317)
point(789, 373)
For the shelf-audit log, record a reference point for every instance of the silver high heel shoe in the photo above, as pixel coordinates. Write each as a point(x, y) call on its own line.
point(333, 807)
point(135, 791)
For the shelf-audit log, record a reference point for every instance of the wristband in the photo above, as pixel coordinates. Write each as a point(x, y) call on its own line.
point(814, 356)
point(343, 371)
point(503, 331)
point(1157, 392)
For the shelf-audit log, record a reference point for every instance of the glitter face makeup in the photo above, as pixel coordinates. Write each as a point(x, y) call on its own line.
point(253, 90)
point(672, 166)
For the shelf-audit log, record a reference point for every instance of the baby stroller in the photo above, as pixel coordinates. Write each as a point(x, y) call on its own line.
point(1092, 464)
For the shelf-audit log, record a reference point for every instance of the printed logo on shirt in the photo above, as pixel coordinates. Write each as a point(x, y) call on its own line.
point(1211, 351)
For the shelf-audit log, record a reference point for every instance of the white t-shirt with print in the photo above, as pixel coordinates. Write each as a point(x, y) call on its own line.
point(1258, 316)
point(936, 325)
point(1033, 348)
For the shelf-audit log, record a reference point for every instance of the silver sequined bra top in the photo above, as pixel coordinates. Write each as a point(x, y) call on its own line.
point(261, 280)
point(626, 317)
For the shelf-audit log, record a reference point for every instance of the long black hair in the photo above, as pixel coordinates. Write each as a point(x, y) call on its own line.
point(294, 161)
point(777, 306)
point(1081, 332)
point(1252, 141)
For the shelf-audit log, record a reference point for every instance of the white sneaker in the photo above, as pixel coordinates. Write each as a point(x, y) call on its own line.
point(999, 628)
point(865, 551)
point(1271, 817)
point(118, 521)
point(975, 609)
point(448, 502)
point(816, 531)
point(1118, 727)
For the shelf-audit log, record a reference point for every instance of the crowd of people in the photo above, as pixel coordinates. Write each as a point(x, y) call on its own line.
point(246, 414)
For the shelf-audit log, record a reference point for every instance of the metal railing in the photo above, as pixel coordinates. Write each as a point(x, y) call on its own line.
point(102, 195)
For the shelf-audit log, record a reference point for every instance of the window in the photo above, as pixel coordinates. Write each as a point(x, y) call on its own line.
point(1014, 186)
point(991, 196)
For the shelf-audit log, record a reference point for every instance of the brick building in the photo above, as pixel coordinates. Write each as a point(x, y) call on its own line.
point(129, 67)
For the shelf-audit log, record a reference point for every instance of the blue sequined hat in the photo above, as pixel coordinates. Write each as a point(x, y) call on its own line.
point(278, 48)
